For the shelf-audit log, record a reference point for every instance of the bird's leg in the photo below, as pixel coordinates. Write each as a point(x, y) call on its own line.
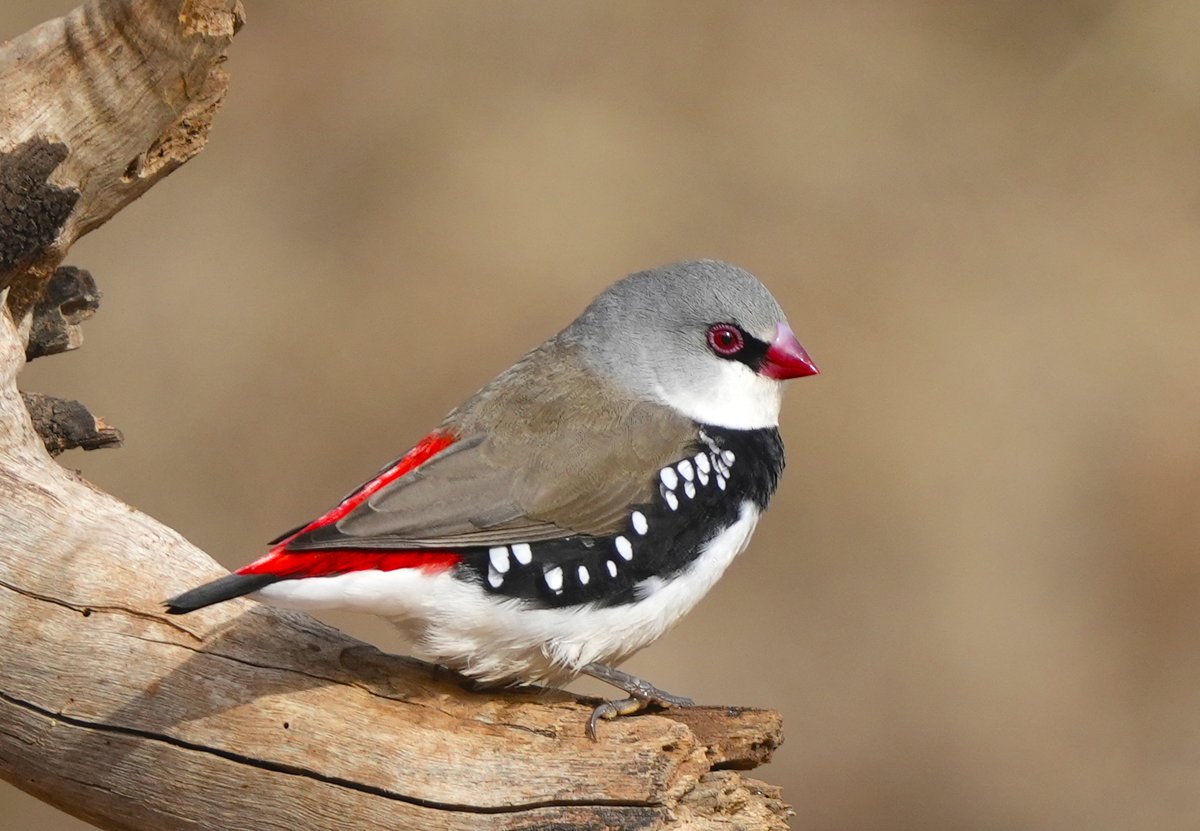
point(641, 695)
point(636, 687)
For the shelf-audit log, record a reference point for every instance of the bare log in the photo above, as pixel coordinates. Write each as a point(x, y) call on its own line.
point(241, 716)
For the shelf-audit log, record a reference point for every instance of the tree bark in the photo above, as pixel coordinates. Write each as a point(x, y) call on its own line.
point(242, 716)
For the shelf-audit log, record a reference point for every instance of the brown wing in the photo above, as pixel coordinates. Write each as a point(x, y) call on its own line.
point(547, 454)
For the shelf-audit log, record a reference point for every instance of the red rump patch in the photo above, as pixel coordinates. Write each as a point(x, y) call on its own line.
point(325, 563)
point(285, 564)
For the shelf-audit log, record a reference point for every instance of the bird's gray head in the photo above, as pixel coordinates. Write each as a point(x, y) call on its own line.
point(703, 337)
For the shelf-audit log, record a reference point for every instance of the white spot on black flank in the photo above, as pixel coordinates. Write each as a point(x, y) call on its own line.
point(499, 558)
point(728, 456)
point(639, 522)
point(580, 571)
point(523, 553)
point(624, 548)
point(495, 578)
point(671, 499)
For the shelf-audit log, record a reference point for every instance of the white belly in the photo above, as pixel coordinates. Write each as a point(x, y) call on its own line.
point(499, 640)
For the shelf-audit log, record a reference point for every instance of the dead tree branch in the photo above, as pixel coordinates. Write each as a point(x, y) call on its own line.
point(240, 716)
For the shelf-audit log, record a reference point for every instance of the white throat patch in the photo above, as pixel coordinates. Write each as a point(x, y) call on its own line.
point(740, 399)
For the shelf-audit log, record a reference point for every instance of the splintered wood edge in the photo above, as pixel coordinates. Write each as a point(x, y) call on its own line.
point(64, 424)
point(68, 299)
point(737, 738)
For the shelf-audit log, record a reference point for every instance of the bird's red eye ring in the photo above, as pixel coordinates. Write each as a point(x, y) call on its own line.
point(725, 339)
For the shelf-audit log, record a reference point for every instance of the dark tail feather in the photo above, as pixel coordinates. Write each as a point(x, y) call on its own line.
point(224, 588)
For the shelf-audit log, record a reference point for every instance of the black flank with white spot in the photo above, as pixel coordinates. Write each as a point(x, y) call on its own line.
point(698, 497)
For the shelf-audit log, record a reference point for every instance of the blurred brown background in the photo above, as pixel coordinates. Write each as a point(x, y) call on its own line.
point(977, 597)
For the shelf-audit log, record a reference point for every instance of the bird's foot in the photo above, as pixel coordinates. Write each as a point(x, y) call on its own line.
point(613, 709)
point(642, 694)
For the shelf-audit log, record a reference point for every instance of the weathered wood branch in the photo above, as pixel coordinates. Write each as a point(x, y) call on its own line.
point(69, 298)
point(240, 716)
point(110, 97)
point(64, 424)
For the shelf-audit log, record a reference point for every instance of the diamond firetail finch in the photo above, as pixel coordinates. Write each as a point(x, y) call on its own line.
point(577, 506)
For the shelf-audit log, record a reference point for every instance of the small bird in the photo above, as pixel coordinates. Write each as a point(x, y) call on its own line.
point(573, 509)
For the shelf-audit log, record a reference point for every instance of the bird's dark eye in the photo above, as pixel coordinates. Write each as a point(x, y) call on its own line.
point(725, 339)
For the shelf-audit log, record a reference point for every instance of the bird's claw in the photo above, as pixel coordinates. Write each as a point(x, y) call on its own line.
point(614, 709)
point(642, 694)
point(609, 710)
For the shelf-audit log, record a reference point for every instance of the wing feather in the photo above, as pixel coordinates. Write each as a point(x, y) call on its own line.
point(547, 455)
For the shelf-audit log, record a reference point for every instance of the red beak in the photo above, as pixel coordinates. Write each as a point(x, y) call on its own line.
point(786, 358)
